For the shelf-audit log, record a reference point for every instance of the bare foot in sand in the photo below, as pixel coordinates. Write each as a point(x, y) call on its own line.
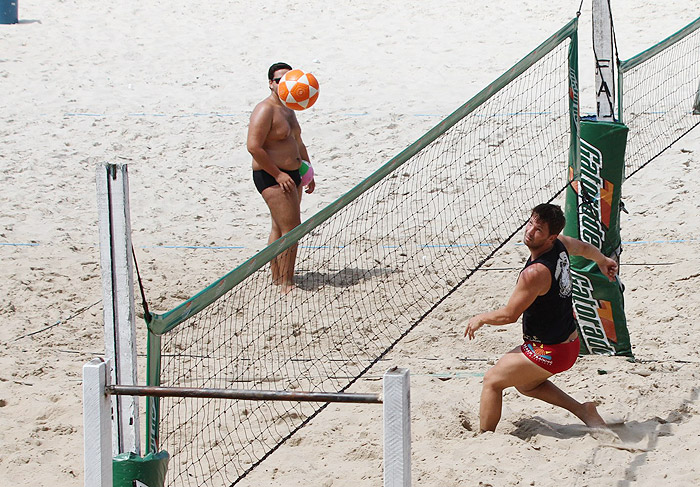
point(287, 288)
point(589, 415)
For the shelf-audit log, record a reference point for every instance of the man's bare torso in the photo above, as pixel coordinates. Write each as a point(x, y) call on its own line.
point(281, 142)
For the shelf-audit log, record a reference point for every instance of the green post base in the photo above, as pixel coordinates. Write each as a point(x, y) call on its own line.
point(131, 470)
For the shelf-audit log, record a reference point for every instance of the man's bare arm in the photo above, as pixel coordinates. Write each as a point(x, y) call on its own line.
point(534, 281)
point(302, 147)
point(577, 247)
point(303, 152)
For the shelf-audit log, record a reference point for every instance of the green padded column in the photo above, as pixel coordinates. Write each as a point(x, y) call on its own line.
point(593, 215)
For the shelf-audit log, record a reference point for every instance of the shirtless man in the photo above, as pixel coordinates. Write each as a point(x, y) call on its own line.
point(274, 141)
point(543, 296)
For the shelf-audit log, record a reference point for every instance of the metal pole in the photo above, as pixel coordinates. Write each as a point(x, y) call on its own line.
point(153, 391)
point(603, 53)
point(118, 300)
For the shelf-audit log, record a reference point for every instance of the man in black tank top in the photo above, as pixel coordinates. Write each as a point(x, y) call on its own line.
point(555, 307)
point(542, 296)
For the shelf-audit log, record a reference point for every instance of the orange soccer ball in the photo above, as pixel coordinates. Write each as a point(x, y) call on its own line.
point(298, 90)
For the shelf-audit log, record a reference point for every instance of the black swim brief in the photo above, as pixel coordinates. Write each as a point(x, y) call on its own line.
point(263, 180)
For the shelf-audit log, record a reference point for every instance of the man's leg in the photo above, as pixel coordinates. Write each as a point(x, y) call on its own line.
point(284, 209)
point(513, 369)
point(274, 264)
point(550, 393)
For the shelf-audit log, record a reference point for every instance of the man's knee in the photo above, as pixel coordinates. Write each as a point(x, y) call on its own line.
point(493, 379)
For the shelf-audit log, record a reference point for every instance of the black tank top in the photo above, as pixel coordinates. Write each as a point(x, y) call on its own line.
point(550, 318)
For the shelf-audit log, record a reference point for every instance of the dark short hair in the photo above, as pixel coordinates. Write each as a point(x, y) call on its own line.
point(551, 215)
point(275, 67)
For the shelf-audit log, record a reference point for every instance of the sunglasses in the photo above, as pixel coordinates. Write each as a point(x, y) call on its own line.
point(277, 80)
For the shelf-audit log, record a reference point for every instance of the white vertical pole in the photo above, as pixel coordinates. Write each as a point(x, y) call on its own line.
point(603, 52)
point(397, 428)
point(696, 104)
point(97, 430)
point(118, 300)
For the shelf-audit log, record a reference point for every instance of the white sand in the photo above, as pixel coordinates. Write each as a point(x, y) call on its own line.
point(167, 87)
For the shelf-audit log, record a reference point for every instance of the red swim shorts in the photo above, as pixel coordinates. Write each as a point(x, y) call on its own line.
point(552, 358)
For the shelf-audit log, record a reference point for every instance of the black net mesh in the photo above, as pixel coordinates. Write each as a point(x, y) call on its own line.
point(658, 97)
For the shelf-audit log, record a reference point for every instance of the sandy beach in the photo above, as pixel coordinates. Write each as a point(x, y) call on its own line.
point(168, 87)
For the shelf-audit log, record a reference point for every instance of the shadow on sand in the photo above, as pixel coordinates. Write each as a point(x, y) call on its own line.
point(638, 437)
point(351, 276)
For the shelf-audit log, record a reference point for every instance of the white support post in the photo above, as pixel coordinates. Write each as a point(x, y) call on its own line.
point(603, 52)
point(118, 301)
point(397, 428)
point(696, 104)
point(97, 430)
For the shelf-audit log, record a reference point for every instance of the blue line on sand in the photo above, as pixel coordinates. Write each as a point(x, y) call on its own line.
point(19, 244)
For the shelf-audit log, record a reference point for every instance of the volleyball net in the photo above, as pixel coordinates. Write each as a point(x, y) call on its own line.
point(659, 95)
point(369, 269)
